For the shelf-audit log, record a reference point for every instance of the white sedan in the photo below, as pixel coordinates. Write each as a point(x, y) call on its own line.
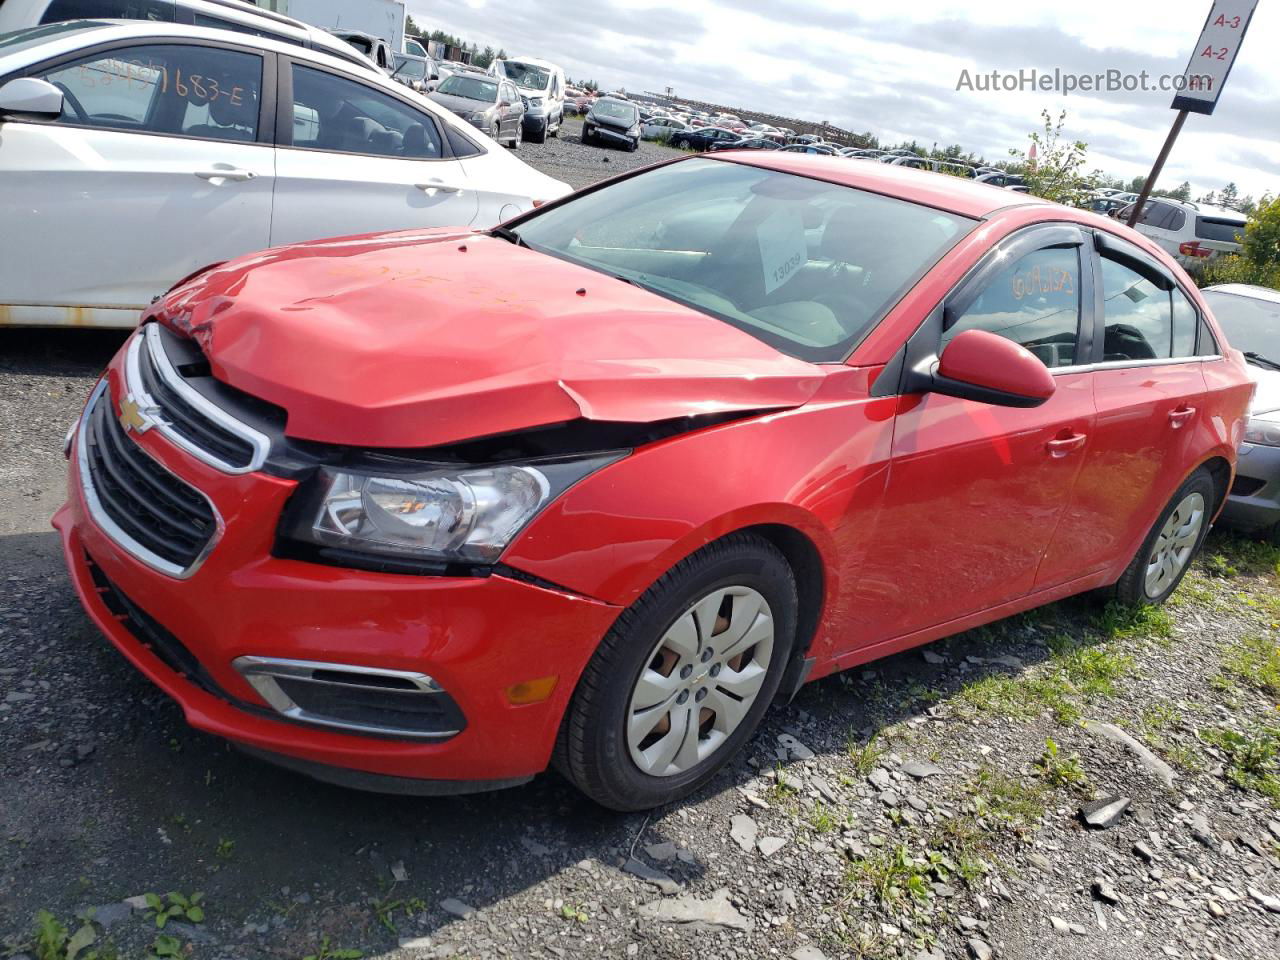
point(134, 153)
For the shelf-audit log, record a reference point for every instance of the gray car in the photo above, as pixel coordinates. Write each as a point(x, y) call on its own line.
point(486, 103)
point(1250, 317)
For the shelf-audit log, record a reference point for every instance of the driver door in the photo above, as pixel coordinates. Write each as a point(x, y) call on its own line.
point(976, 491)
point(160, 163)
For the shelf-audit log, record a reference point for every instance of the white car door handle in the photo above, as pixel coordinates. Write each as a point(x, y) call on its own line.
point(218, 176)
point(438, 185)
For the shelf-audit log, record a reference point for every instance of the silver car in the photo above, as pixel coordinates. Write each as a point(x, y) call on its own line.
point(487, 103)
point(1250, 317)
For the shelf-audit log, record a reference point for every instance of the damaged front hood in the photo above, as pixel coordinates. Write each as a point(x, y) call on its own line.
point(424, 338)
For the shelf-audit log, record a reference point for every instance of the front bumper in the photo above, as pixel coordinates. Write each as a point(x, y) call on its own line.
point(1254, 503)
point(476, 636)
point(611, 133)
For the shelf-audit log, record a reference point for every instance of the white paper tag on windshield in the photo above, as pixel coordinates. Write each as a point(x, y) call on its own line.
point(783, 248)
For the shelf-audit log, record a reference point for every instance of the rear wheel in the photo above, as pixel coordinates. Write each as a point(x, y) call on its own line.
point(1166, 554)
point(681, 681)
point(683, 143)
point(518, 137)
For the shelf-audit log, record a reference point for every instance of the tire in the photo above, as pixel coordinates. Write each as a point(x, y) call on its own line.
point(556, 131)
point(1176, 537)
point(683, 143)
point(518, 138)
point(633, 146)
point(586, 135)
point(595, 750)
point(539, 135)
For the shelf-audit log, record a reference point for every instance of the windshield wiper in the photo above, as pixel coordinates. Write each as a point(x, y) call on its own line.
point(509, 235)
point(1261, 361)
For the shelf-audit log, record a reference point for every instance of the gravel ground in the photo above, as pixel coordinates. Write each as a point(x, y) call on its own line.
point(905, 810)
point(567, 158)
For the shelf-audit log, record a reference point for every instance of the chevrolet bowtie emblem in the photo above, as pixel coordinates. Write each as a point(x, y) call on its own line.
point(135, 417)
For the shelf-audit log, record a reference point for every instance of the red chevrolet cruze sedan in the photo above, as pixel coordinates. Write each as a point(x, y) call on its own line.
point(429, 511)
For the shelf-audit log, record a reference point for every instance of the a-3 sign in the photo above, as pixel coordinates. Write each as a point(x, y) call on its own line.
point(1214, 55)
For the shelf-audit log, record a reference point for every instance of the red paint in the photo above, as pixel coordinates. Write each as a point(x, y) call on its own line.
point(928, 514)
point(984, 359)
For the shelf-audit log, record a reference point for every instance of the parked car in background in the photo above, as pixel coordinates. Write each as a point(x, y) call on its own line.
point(661, 128)
point(414, 72)
point(219, 14)
point(1001, 179)
point(541, 84)
point(701, 138)
point(612, 121)
point(895, 415)
point(1193, 233)
point(485, 102)
point(817, 149)
point(747, 143)
point(415, 47)
point(190, 173)
point(1250, 318)
point(374, 48)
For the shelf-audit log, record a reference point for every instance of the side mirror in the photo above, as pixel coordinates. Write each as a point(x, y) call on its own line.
point(30, 98)
point(981, 366)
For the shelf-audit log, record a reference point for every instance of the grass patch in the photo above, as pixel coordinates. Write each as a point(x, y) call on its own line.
point(1060, 770)
point(1255, 661)
point(1092, 670)
point(1007, 802)
point(1253, 758)
point(1234, 556)
point(893, 876)
point(865, 756)
point(1119, 621)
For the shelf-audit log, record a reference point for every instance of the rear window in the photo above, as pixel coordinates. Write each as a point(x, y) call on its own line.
point(158, 10)
point(1224, 231)
point(807, 266)
point(1250, 323)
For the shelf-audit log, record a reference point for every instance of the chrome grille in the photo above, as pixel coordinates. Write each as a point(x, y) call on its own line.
point(184, 415)
point(147, 510)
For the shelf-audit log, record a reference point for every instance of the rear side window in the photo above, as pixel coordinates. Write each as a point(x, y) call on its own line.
point(1224, 231)
point(461, 144)
point(217, 23)
point(340, 115)
point(1176, 220)
point(1035, 301)
point(174, 89)
point(1144, 322)
point(158, 10)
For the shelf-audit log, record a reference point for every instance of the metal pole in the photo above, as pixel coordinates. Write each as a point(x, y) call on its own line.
point(1158, 168)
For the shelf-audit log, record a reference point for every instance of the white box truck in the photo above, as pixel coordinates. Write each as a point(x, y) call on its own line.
point(383, 19)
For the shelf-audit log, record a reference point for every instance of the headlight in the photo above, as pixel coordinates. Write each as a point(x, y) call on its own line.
point(458, 514)
point(1264, 430)
point(634, 131)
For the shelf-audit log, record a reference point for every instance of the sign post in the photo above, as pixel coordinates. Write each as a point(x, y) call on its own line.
point(1204, 79)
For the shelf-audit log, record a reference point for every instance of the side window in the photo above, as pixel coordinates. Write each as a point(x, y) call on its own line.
point(1208, 345)
point(1185, 323)
point(1177, 219)
point(217, 23)
point(172, 89)
point(461, 144)
point(157, 10)
point(1137, 316)
point(1035, 301)
point(343, 116)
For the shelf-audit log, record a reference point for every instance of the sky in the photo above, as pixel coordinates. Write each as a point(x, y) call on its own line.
point(893, 69)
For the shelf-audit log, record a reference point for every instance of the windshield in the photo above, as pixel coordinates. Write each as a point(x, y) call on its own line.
point(526, 75)
point(808, 267)
point(471, 88)
point(411, 68)
point(363, 44)
point(1252, 325)
point(615, 110)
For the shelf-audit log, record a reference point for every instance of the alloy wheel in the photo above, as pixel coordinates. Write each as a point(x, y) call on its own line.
point(1177, 541)
point(700, 681)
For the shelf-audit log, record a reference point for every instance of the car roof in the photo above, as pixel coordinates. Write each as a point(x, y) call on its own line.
point(965, 197)
point(104, 31)
point(1246, 290)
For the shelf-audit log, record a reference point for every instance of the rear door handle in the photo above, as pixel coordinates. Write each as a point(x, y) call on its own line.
point(438, 185)
point(219, 175)
point(1063, 446)
point(1181, 416)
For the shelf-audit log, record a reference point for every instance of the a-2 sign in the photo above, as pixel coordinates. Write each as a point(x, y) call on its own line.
point(1214, 55)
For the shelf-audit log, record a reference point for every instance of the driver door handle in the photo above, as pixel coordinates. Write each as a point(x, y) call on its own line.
point(218, 175)
point(438, 185)
point(1063, 446)
point(1179, 418)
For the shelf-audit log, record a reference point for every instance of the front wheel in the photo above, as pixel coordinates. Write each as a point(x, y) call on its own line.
point(680, 682)
point(539, 134)
point(683, 143)
point(1166, 554)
